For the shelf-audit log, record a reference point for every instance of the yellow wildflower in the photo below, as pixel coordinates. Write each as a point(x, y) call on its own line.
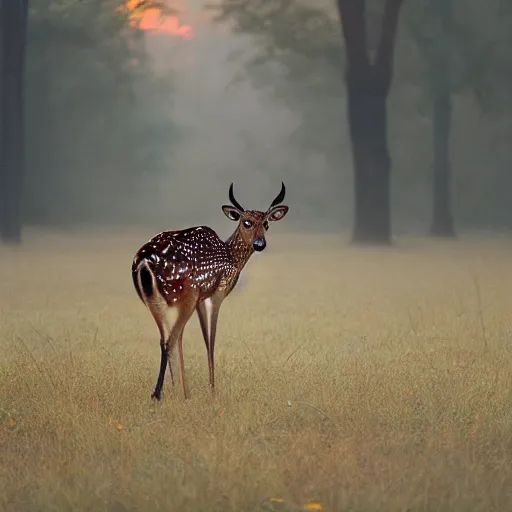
point(313, 505)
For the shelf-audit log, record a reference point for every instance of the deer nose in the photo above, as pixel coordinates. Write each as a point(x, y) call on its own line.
point(259, 244)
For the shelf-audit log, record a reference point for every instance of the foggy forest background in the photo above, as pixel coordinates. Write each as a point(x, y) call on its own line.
point(123, 126)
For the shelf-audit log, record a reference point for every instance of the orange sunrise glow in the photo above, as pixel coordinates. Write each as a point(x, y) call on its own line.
point(151, 17)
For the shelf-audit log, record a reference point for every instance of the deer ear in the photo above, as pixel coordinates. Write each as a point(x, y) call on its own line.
point(231, 212)
point(277, 213)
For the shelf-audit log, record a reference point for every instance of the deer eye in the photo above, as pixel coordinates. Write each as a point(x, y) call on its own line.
point(265, 225)
point(247, 224)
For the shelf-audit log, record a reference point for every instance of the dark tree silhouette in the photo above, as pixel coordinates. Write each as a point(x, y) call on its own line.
point(13, 35)
point(368, 86)
point(461, 57)
point(287, 28)
point(442, 219)
point(89, 72)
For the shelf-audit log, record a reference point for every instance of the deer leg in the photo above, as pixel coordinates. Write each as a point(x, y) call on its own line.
point(208, 312)
point(171, 354)
point(202, 313)
point(169, 360)
point(182, 366)
point(176, 337)
point(214, 314)
point(161, 375)
point(164, 348)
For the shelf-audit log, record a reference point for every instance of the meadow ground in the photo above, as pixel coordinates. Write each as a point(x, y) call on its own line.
point(349, 379)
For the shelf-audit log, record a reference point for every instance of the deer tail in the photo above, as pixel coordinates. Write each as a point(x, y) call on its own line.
point(144, 281)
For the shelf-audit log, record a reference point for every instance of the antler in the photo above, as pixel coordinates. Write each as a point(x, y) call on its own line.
point(234, 202)
point(280, 197)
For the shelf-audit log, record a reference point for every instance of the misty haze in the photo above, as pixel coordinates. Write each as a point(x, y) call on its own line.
point(362, 353)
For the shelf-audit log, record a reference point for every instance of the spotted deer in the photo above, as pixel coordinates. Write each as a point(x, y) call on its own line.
point(194, 270)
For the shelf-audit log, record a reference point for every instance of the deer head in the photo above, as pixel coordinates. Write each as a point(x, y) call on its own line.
point(252, 224)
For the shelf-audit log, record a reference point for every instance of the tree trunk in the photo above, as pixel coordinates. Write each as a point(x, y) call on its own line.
point(372, 162)
point(368, 87)
point(442, 218)
point(13, 33)
point(3, 26)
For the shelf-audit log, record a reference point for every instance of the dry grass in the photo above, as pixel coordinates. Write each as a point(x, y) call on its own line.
point(397, 364)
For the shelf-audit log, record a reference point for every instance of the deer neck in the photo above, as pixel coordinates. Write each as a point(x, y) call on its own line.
point(239, 249)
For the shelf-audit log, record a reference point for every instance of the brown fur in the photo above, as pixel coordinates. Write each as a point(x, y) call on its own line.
point(193, 269)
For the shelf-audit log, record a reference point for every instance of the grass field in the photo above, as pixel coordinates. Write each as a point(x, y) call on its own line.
point(347, 380)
